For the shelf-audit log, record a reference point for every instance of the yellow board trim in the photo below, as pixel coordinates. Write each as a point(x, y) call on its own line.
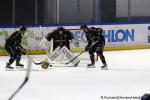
point(118, 48)
point(34, 52)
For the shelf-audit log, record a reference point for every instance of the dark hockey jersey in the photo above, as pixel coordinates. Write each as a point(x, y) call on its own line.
point(15, 39)
point(95, 34)
point(60, 40)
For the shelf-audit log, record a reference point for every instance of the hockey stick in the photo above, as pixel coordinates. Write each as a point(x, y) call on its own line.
point(81, 53)
point(39, 63)
point(25, 80)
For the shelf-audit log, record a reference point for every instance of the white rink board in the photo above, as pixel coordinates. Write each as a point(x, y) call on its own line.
point(115, 35)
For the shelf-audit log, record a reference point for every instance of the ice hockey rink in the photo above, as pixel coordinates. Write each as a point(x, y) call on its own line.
point(127, 76)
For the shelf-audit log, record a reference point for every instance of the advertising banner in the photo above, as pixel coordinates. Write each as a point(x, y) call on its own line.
point(120, 35)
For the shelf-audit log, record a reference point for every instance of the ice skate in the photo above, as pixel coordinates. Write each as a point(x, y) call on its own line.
point(19, 66)
point(104, 67)
point(92, 65)
point(8, 67)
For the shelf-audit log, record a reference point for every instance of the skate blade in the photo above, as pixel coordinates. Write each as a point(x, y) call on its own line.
point(17, 67)
point(104, 68)
point(8, 69)
point(91, 66)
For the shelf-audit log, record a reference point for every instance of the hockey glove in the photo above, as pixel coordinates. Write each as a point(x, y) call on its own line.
point(76, 43)
point(87, 48)
point(24, 51)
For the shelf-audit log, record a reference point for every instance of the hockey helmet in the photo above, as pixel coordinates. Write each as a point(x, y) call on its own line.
point(22, 28)
point(60, 29)
point(83, 26)
point(145, 97)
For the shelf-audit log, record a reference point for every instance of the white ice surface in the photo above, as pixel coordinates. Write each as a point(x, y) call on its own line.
point(128, 75)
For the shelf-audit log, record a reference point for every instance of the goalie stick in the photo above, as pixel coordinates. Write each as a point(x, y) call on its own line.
point(36, 63)
point(39, 63)
point(81, 53)
point(25, 80)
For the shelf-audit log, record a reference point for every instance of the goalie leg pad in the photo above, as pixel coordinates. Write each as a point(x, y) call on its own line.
point(55, 53)
point(66, 52)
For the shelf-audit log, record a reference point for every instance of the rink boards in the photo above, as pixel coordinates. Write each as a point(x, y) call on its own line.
point(121, 36)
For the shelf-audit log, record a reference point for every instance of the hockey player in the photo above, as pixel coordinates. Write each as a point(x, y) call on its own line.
point(14, 48)
point(96, 43)
point(61, 37)
point(61, 44)
point(145, 97)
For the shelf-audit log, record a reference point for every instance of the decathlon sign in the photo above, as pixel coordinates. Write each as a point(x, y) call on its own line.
point(121, 35)
point(118, 35)
point(80, 36)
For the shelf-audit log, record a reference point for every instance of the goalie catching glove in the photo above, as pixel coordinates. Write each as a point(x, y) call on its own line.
point(76, 43)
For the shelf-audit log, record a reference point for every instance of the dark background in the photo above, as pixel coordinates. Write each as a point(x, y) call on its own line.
point(73, 11)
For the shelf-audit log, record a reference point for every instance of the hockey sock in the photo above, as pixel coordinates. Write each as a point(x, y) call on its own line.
point(103, 60)
point(11, 60)
point(18, 59)
point(92, 58)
